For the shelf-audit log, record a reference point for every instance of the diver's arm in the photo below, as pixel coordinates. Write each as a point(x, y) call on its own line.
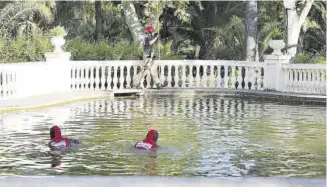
point(154, 40)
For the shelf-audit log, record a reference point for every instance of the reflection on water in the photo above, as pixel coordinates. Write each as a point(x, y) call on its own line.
point(199, 136)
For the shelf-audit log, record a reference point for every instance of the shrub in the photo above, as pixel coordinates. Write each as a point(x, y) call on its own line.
point(83, 50)
point(24, 48)
point(308, 58)
point(302, 58)
point(58, 31)
point(319, 60)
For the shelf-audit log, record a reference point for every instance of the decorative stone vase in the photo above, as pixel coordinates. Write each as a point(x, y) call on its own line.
point(58, 42)
point(277, 45)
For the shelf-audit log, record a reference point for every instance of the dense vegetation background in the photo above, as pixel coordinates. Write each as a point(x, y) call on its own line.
point(111, 30)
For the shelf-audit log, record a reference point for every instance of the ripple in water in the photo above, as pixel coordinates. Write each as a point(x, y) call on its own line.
point(199, 136)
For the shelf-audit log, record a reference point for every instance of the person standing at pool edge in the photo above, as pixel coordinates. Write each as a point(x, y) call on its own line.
point(148, 55)
point(59, 142)
point(149, 142)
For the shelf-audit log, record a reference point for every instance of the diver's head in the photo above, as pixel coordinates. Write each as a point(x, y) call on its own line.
point(149, 30)
point(152, 135)
point(55, 132)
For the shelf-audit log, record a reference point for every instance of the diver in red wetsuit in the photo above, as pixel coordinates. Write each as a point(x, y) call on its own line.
point(59, 142)
point(149, 142)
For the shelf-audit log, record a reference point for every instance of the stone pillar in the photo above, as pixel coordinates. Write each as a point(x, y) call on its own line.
point(58, 68)
point(274, 78)
point(59, 72)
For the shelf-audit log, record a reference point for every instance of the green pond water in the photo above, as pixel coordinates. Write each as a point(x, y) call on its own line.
point(208, 136)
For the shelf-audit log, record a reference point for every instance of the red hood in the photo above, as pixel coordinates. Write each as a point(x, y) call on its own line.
point(57, 134)
point(151, 137)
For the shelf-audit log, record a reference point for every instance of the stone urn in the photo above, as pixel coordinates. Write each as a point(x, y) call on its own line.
point(277, 45)
point(58, 42)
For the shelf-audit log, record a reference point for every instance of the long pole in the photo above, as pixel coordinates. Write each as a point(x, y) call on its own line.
point(158, 28)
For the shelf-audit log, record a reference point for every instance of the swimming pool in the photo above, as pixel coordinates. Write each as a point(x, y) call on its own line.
point(210, 136)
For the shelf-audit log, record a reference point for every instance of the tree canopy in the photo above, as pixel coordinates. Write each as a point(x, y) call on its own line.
point(112, 30)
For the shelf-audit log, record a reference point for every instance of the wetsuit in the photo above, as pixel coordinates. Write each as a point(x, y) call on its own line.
point(147, 48)
point(148, 64)
point(59, 142)
point(149, 142)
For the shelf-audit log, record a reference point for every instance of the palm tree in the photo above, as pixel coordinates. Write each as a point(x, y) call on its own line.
point(251, 22)
point(24, 17)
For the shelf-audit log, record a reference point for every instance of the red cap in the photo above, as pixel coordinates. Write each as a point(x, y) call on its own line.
point(149, 29)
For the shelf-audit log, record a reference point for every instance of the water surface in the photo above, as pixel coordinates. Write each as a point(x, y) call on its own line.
point(199, 136)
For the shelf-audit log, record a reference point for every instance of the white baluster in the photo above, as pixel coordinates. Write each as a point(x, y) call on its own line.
point(219, 77)
point(103, 78)
point(177, 76)
point(290, 80)
point(246, 78)
point(134, 74)
point(226, 77)
point(120, 77)
point(323, 81)
point(173, 75)
point(239, 77)
point(253, 78)
point(263, 77)
point(299, 81)
point(109, 77)
point(190, 76)
point(80, 74)
point(316, 82)
point(198, 77)
point(296, 82)
point(162, 73)
point(75, 77)
point(169, 78)
point(96, 79)
point(294, 77)
point(183, 77)
point(72, 78)
point(308, 82)
point(83, 75)
point(115, 79)
point(301, 86)
point(5, 83)
point(92, 78)
point(128, 77)
point(212, 77)
point(10, 83)
point(204, 77)
point(233, 77)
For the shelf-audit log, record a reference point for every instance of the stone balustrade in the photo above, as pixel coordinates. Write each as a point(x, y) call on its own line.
point(59, 74)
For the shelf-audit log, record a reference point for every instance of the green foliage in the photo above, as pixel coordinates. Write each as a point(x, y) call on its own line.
point(319, 60)
point(58, 31)
point(24, 17)
point(216, 27)
point(84, 50)
point(302, 58)
point(308, 58)
point(166, 53)
point(228, 41)
point(24, 48)
point(276, 35)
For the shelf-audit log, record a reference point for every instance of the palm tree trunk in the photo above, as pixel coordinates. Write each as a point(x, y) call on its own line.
point(98, 20)
point(251, 22)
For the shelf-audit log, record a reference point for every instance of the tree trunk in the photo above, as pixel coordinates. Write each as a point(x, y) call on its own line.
point(132, 21)
point(98, 20)
point(251, 22)
point(295, 22)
